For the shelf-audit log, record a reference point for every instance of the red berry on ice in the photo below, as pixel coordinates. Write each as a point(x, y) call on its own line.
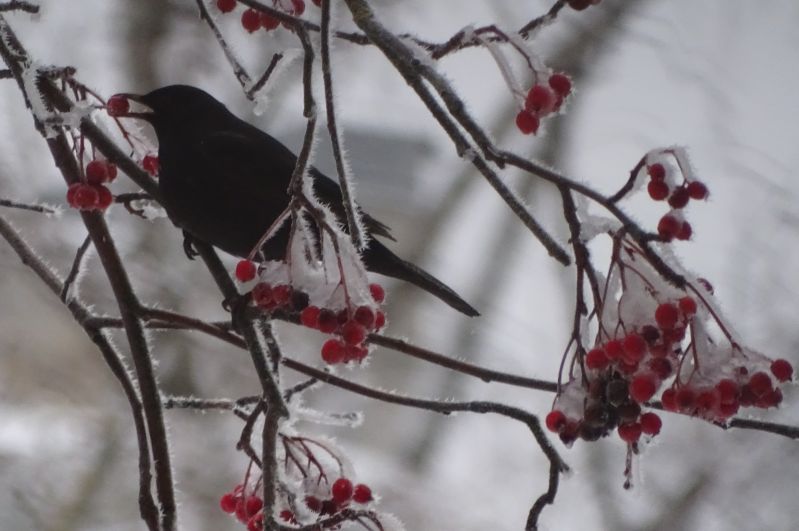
point(596, 359)
point(226, 6)
point(667, 315)
point(782, 370)
point(341, 491)
point(630, 432)
point(561, 84)
point(650, 423)
point(697, 190)
point(555, 421)
point(362, 493)
point(658, 190)
point(333, 351)
point(657, 172)
point(117, 105)
point(540, 100)
point(643, 387)
point(377, 292)
point(687, 305)
point(310, 316)
point(527, 122)
point(251, 20)
point(150, 164)
point(245, 270)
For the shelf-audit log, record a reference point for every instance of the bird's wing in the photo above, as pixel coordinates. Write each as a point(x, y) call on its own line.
point(253, 151)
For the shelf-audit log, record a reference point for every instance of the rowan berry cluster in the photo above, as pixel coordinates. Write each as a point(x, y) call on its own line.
point(92, 192)
point(542, 100)
point(350, 325)
point(673, 186)
point(624, 373)
point(309, 465)
point(252, 20)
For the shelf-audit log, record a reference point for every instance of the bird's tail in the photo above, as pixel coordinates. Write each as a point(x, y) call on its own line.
point(380, 259)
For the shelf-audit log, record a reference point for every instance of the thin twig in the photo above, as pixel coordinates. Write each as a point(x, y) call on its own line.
point(75, 270)
point(42, 209)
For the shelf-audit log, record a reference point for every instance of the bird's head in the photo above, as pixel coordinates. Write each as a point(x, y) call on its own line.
point(175, 109)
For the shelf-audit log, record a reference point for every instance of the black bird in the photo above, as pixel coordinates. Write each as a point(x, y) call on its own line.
point(224, 182)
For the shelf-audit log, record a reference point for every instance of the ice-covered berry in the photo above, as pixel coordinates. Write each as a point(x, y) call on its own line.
point(226, 6)
point(668, 227)
point(310, 316)
point(362, 493)
point(117, 105)
point(341, 491)
point(555, 421)
point(150, 164)
point(334, 351)
point(540, 100)
point(782, 370)
point(245, 270)
point(596, 359)
point(667, 315)
point(561, 84)
point(377, 292)
point(527, 122)
point(643, 387)
point(657, 172)
point(630, 432)
point(658, 190)
point(650, 423)
point(687, 305)
point(251, 20)
point(697, 190)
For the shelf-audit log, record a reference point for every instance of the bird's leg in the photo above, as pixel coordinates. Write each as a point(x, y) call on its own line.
point(188, 246)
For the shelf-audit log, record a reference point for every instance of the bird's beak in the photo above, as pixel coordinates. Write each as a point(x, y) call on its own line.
point(125, 111)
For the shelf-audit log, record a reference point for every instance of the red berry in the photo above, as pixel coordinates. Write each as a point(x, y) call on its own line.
point(104, 197)
point(579, 5)
point(269, 22)
point(281, 294)
point(668, 227)
point(657, 172)
point(228, 502)
point(377, 292)
point(364, 316)
point(596, 359)
point(561, 84)
point(685, 231)
point(782, 370)
point(540, 101)
point(333, 351)
point(310, 316)
point(650, 423)
point(669, 399)
point(728, 391)
point(253, 505)
point(634, 348)
point(327, 321)
point(97, 172)
point(643, 387)
point(687, 305)
point(353, 333)
point(262, 295)
point(685, 399)
point(356, 353)
point(666, 315)
point(708, 401)
point(658, 190)
point(555, 421)
point(679, 197)
point(362, 494)
point(380, 320)
point(117, 105)
point(245, 270)
point(614, 349)
point(226, 6)
point(286, 516)
point(341, 491)
point(85, 196)
point(527, 122)
point(298, 7)
point(251, 20)
point(697, 190)
point(760, 384)
point(661, 367)
point(241, 511)
point(150, 164)
point(317, 2)
point(630, 432)
point(313, 503)
point(771, 399)
point(728, 410)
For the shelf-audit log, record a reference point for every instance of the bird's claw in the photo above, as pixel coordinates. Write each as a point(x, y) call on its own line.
point(188, 246)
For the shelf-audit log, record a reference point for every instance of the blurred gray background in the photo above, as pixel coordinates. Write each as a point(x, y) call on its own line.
point(718, 76)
